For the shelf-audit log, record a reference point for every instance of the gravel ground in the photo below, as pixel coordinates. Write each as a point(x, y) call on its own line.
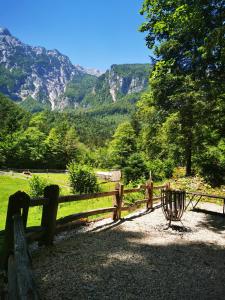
point(137, 258)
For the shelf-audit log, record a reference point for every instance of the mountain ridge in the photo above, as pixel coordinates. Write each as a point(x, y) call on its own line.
point(49, 77)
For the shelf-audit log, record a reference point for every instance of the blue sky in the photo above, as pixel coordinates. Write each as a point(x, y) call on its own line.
point(93, 33)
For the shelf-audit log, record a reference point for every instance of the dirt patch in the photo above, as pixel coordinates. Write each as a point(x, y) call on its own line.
point(137, 258)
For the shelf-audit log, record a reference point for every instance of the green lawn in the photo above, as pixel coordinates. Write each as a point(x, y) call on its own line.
point(13, 182)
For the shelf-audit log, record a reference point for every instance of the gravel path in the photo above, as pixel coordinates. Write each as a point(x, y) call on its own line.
point(137, 259)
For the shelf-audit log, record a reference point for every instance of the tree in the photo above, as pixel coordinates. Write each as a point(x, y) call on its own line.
point(122, 145)
point(71, 146)
point(135, 169)
point(54, 154)
point(187, 39)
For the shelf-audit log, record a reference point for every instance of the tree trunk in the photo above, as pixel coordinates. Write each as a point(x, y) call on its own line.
point(188, 161)
point(189, 153)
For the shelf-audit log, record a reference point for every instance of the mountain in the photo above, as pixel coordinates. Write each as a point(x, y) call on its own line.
point(32, 71)
point(90, 71)
point(119, 82)
point(30, 74)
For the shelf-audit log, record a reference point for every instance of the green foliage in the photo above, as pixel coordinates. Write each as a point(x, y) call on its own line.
point(211, 163)
point(33, 106)
point(122, 145)
point(82, 178)
point(10, 80)
point(187, 82)
point(161, 169)
point(89, 91)
point(12, 117)
point(78, 89)
point(132, 70)
point(37, 185)
point(135, 169)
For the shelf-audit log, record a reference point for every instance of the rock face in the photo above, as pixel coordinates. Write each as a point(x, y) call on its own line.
point(127, 79)
point(49, 77)
point(33, 71)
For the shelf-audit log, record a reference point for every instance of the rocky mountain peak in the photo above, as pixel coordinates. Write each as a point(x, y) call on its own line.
point(33, 71)
point(90, 71)
point(4, 31)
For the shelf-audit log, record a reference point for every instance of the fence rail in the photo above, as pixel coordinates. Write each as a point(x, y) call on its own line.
point(196, 196)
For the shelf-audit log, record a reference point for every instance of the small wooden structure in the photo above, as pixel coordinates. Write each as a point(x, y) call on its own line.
point(173, 204)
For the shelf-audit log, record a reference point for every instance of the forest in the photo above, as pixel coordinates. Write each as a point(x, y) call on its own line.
point(179, 121)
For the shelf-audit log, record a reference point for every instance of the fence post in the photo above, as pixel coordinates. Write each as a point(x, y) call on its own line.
point(118, 202)
point(49, 214)
point(168, 186)
point(149, 189)
point(17, 201)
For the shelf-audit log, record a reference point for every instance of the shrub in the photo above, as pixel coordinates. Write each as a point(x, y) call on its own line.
point(37, 185)
point(168, 167)
point(82, 179)
point(178, 172)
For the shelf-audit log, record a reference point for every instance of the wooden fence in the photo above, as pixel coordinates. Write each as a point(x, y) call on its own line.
point(16, 259)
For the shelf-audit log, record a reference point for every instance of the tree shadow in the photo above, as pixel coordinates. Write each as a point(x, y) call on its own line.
point(215, 221)
point(123, 264)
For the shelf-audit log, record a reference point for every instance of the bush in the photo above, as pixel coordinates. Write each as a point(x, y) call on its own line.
point(37, 185)
point(82, 179)
point(179, 172)
point(168, 168)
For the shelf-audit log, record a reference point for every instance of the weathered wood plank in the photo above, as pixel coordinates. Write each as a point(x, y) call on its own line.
point(49, 214)
point(12, 282)
point(81, 215)
point(70, 198)
point(26, 287)
point(149, 192)
point(118, 202)
point(17, 202)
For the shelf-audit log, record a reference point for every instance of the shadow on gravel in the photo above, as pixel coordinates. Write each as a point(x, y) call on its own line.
point(214, 221)
point(118, 264)
point(115, 224)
